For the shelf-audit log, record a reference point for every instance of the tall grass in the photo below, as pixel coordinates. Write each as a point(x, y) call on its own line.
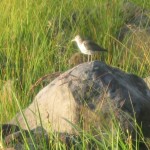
point(35, 40)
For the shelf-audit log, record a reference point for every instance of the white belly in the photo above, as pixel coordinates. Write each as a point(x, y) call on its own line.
point(84, 50)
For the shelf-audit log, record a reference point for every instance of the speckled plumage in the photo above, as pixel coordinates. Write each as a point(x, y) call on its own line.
point(88, 47)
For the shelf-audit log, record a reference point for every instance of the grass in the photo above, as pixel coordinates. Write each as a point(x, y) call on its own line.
point(35, 40)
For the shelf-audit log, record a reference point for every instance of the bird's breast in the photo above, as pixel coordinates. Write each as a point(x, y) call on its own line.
point(84, 50)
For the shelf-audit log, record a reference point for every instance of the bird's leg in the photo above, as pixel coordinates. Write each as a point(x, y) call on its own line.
point(88, 58)
point(91, 58)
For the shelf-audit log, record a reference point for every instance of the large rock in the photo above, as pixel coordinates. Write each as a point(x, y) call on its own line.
point(86, 90)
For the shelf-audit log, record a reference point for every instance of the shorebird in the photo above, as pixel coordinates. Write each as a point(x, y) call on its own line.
point(88, 47)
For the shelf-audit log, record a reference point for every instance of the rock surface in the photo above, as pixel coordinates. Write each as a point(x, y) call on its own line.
point(85, 90)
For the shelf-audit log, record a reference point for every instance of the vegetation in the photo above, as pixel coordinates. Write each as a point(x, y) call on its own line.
point(35, 40)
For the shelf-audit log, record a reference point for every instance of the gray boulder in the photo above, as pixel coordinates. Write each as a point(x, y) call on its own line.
point(89, 90)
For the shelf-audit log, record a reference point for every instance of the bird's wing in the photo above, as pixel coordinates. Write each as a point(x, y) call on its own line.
point(90, 45)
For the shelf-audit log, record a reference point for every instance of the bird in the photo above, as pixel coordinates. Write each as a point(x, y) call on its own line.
point(88, 47)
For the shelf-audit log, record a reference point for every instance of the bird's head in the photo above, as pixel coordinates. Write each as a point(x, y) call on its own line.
point(77, 38)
